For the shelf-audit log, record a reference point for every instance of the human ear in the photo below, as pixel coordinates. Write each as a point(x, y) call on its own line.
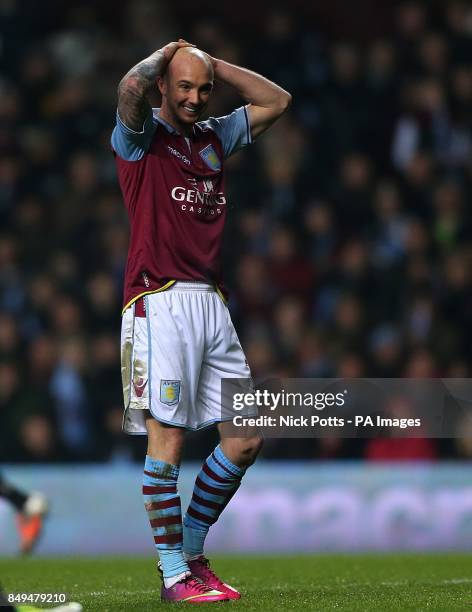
point(161, 85)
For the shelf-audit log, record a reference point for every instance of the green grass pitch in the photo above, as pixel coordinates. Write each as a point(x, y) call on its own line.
point(309, 582)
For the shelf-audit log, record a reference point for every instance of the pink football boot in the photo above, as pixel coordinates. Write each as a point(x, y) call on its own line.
point(191, 590)
point(201, 569)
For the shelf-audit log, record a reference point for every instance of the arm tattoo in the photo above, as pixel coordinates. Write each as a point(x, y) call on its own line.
point(133, 105)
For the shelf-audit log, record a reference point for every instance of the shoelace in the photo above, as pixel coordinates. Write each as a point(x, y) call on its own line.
point(206, 563)
point(197, 584)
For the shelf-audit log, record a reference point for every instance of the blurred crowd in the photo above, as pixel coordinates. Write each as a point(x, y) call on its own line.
point(347, 250)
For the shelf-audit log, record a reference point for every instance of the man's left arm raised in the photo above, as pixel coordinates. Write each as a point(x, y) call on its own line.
point(266, 100)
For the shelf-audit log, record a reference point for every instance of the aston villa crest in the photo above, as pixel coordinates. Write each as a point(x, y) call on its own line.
point(170, 392)
point(209, 156)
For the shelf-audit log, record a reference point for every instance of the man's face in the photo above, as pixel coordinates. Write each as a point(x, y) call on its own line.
point(186, 86)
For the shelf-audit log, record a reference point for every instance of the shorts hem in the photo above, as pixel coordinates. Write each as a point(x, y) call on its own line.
point(200, 426)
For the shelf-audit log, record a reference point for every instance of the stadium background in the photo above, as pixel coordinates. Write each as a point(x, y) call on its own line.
point(347, 250)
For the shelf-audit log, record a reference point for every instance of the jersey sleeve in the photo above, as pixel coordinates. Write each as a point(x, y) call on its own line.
point(233, 130)
point(131, 145)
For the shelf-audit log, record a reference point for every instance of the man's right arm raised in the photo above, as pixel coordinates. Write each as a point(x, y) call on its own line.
point(133, 105)
point(134, 128)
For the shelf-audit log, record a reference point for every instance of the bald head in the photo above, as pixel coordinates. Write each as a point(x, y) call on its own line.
point(189, 61)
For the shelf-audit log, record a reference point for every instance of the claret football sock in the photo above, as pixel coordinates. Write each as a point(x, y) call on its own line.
point(216, 483)
point(162, 504)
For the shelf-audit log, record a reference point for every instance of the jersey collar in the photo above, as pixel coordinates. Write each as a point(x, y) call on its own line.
point(170, 128)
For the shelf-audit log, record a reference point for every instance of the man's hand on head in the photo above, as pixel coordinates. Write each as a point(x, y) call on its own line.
point(170, 49)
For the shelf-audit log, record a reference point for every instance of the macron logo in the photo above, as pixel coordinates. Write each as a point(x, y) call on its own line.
point(179, 155)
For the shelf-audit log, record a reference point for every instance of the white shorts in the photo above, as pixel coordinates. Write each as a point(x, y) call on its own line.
point(176, 346)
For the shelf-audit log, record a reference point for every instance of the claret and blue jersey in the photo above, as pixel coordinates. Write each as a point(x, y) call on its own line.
point(174, 190)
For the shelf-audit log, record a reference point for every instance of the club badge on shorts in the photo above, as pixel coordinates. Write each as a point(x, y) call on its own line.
point(209, 156)
point(170, 392)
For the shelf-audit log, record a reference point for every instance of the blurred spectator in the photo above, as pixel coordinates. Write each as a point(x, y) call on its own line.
point(289, 270)
point(68, 391)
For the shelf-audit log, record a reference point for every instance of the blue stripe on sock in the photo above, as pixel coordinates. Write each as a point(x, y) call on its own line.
point(164, 530)
point(215, 498)
point(210, 512)
point(214, 483)
point(154, 514)
point(165, 470)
